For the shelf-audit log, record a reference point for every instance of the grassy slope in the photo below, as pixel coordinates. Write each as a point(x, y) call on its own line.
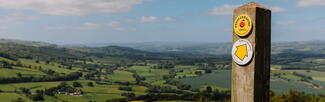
point(122, 76)
point(32, 85)
point(7, 73)
point(153, 76)
point(9, 97)
point(44, 66)
point(188, 71)
point(97, 93)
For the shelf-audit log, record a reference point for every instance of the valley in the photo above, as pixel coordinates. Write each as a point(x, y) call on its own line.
point(37, 71)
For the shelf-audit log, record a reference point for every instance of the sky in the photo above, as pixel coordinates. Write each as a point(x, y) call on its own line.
point(128, 21)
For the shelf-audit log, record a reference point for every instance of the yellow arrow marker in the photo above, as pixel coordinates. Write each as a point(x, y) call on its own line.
point(241, 52)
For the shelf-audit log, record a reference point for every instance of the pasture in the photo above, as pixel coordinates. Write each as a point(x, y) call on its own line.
point(220, 78)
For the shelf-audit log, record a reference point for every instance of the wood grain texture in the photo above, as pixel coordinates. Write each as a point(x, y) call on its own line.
point(250, 83)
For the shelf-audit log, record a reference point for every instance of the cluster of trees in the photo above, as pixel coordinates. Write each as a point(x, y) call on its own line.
point(163, 89)
point(8, 56)
point(124, 52)
point(68, 77)
point(125, 88)
point(129, 95)
point(137, 77)
point(92, 75)
point(291, 59)
point(76, 84)
point(171, 81)
point(210, 95)
point(90, 84)
point(303, 77)
point(171, 74)
point(99, 67)
point(295, 96)
point(37, 96)
point(178, 84)
point(204, 96)
point(63, 88)
point(166, 65)
point(9, 65)
point(6, 64)
point(48, 71)
point(126, 83)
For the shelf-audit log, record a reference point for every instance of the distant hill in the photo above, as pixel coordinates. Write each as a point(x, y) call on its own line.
point(175, 47)
point(312, 47)
point(118, 51)
point(23, 42)
point(286, 55)
point(32, 50)
point(149, 48)
point(47, 51)
point(225, 48)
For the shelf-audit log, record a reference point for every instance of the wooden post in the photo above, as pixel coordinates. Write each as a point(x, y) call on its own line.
point(251, 76)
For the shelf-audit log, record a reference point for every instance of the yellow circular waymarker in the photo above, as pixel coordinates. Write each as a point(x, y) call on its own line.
point(242, 52)
point(242, 25)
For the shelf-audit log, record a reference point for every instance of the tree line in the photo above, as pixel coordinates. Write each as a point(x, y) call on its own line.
point(68, 77)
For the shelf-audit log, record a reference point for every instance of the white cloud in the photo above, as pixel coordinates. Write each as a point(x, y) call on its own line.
point(145, 19)
point(277, 9)
point(120, 25)
point(225, 9)
point(84, 26)
point(71, 7)
point(305, 3)
point(16, 18)
point(89, 26)
point(148, 19)
point(115, 25)
point(285, 22)
point(169, 19)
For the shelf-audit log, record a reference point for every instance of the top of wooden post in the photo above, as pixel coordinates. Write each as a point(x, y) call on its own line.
point(251, 5)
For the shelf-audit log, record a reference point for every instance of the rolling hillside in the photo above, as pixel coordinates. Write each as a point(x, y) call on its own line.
point(37, 71)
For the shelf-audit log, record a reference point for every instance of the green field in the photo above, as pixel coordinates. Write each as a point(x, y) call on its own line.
point(186, 71)
point(122, 76)
point(8, 97)
point(31, 85)
point(154, 76)
point(4, 73)
point(90, 97)
point(53, 66)
point(220, 78)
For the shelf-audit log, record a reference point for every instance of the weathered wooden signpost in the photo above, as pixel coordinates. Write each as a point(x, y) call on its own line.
point(251, 53)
